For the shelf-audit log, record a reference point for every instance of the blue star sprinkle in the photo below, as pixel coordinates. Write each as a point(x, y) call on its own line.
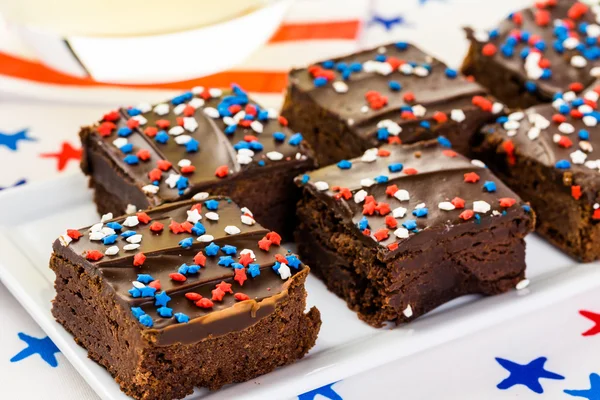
point(181, 318)
point(44, 347)
point(254, 270)
point(344, 164)
point(10, 141)
point(527, 374)
point(326, 392)
point(161, 299)
point(593, 393)
point(212, 249)
point(212, 205)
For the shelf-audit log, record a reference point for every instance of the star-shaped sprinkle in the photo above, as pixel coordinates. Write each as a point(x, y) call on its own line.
point(66, 154)
point(595, 318)
point(44, 347)
point(593, 393)
point(11, 140)
point(526, 374)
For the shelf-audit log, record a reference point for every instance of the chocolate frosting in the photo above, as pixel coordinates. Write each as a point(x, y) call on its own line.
point(551, 145)
point(440, 177)
point(216, 147)
point(436, 92)
point(563, 73)
point(164, 256)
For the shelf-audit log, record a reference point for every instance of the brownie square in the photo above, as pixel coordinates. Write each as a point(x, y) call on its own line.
point(550, 155)
point(406, 228)
point(395, 93)
point(536, 52)
point(194, 293)
point(202, 140)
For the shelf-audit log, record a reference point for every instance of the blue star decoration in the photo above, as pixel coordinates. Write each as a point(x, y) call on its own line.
point(18, 183)
point(11, 140)
point(387, 23)
point(593, 393)
point(44, 347)
point(527, 374)
point(326, 391)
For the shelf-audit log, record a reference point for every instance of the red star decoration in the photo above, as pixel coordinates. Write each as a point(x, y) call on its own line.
point(593, 317)
point(66, 154)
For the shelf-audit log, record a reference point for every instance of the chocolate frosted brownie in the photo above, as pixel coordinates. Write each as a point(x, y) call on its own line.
point(394, 93)
point(202, 140)
point(404, 229)
point(193, 293)
point(550, 155)
point(548, 48)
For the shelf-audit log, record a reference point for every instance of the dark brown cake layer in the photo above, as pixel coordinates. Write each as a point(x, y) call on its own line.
point(200, 141)
point(188, 294)
point(555, 166)
point(388, 94)
point(89, 311)
point(536, 52)
point(428, 226)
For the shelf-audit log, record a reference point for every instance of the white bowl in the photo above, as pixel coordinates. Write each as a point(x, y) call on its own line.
point(158, 58)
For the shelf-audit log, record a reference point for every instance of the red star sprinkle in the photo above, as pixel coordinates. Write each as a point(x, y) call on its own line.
point(163, 123)
point(155, 175)
point(410, 171)
point(576, 192)
point(156, 226)
point(188, 111)
point(139, 259)
point(458, 202)
point(187, 226)
point(193, 296)
point(234, 109)
point(222, 171)
point(200, 259)
point(483, 103)
point(246, 259)
point(542, 17)
point(471, 177)
point(177, 277)
point(517, 18)
point(488, 50)
point(596, 214)
point(188, 169)
point(381, 234)
point(143, 217)
point(132, 123)
point(366, 232)
point(449, 153)
point(466, 215)
point(204, 303)
point(74, 234)
point(224, 286)
point(507, 202)
point(394, 140)
point(240, 276)
point(175, 227)
point(559, 118)
point(241, 296)
point(440, 117)
point(163, 165)
point(369, 208)
point(577, 11)
point(111, 116)
point(94, 255)
point(595, 318)
point(509, 148)
point(283, 121)
point(391, 222)
point(370, 199)
point(409, 97)
point(264, 244)
point(150, 131)
point(217, 294)
point(66, 154)
point(274, 238)
point(392, 246)
point(383, 153)
point(280, 258)
point(143, 154)
point(197, 206)
point(565, 142)
point(155, 284)
point(383, 209)
point(407, 115)
point(106, 128)
point(391, 190)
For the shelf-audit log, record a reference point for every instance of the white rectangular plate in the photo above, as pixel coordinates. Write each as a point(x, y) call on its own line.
point(33, 216)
